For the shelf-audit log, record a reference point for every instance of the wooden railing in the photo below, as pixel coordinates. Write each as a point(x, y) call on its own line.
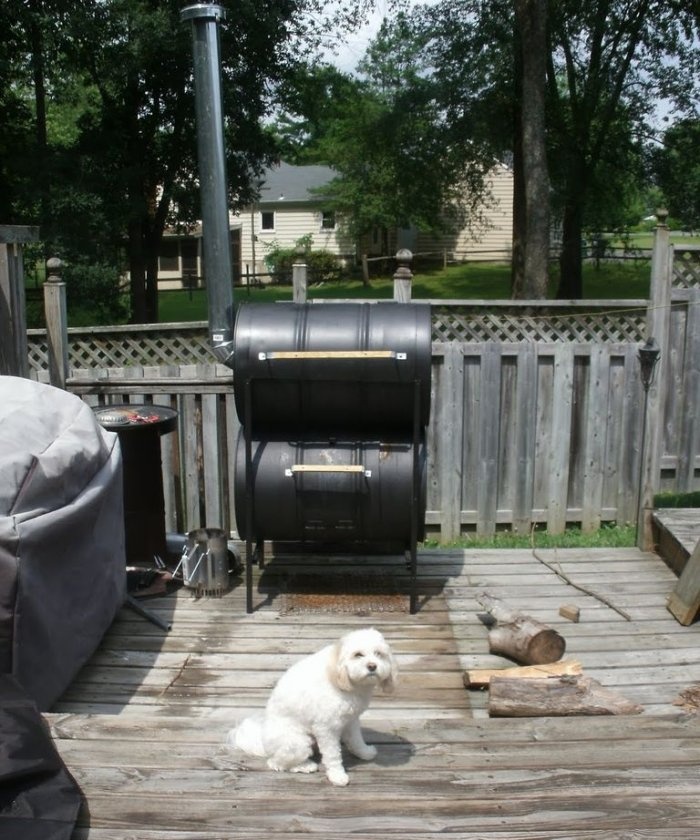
point(537, 407)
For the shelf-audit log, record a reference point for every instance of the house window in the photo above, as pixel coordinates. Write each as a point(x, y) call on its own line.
point(169, 257)
point(267, 220)
point(328, 220)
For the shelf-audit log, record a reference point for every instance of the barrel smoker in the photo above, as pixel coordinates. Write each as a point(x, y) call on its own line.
point(333, 398)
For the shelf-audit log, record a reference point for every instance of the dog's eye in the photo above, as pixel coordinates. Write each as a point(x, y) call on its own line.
point(379, 654)
point(358, 655)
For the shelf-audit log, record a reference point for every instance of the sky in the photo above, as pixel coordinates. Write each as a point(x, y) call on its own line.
point(347, 51)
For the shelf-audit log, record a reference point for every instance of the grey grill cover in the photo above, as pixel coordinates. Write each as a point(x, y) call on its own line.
point(62, 561)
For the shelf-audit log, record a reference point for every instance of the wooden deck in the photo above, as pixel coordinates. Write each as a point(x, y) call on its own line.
point(143, 725)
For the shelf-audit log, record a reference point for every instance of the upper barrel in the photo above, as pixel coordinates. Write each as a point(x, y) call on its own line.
point(349, 367)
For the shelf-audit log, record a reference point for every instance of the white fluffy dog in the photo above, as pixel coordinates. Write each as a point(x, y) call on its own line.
point(318, 703)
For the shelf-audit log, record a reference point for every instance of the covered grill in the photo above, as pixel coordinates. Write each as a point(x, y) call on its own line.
point(333, 398)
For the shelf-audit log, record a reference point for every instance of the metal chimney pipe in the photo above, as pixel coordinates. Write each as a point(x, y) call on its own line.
point(205, 18)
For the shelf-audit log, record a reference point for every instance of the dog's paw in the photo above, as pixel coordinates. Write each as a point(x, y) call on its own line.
point(306, 767)
point(338, 776)
point(368, 753)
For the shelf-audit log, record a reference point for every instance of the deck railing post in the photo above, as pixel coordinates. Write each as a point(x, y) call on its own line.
point(14, 359)
point(299, 280)
point(658, 320)
point(56, 322)
point(403, 276)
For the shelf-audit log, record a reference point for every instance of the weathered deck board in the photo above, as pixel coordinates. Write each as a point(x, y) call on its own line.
point(142, 727)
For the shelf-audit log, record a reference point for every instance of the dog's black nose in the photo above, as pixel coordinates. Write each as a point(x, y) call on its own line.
point(371, 666)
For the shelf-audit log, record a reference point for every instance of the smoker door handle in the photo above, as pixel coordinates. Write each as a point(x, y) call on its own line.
point(272, 355)
point(327, 468)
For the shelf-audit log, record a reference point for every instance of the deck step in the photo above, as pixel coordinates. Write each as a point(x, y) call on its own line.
point(676, 533)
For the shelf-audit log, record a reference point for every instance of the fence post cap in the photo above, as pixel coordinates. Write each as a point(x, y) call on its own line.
point(54, 266)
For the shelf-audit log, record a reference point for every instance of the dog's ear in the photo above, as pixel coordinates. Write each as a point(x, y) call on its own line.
point(389, 684)
point(337, 668)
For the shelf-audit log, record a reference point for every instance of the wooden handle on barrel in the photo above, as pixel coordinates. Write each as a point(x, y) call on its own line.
point(328, 468)
point(330, 354)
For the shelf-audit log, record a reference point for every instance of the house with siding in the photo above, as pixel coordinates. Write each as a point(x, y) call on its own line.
point(291, 205)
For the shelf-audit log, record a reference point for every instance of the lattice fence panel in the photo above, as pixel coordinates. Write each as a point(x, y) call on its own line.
point(188, 344)
point(119, 348)
point(541, 325)
point(686, 267)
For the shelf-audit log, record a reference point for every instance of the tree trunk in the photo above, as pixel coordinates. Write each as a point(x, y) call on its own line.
point(531, 16)
point(37, 62)
point(137, 274)
point(517, 277)
point(152, 287)
point(570, 264)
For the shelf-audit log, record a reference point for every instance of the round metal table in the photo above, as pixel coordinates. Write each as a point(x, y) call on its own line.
point(140, 428)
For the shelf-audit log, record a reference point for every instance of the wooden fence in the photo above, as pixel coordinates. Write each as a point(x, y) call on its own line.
point(537, 407)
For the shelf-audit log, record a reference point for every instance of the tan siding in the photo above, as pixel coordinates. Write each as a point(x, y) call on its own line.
point(491, 241)
point(291, 223)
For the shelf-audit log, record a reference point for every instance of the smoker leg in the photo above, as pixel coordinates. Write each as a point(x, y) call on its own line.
point(415, 484)
point(413, 566)
point(247, 430)
point(249, 575)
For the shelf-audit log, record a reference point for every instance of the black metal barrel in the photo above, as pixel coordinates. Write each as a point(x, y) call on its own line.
point(330, 491)
point(353, 367)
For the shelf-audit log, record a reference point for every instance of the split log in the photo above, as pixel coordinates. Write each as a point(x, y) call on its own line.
point(521, 637)
point(555, 697)
point(481, 677)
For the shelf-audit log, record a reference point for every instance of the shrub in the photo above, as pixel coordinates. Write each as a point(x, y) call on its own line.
point(322, 265)
point(94, 294)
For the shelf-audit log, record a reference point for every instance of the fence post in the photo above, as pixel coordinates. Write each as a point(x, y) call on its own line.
point(365, 270)
point(403, 276)
point(658, 321)
point(56, 322)
point(299, 281)
point(14, 356)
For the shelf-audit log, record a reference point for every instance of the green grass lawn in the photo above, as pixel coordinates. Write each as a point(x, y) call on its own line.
point(608, 536)
point(468, 281)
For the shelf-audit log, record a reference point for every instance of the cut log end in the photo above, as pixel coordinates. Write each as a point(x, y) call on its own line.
point(527, 641)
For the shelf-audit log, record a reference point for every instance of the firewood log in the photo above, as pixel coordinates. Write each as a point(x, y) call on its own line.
point(521, 637)
point(555, 697)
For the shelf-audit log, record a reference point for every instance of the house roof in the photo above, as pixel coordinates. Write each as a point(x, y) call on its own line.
point(294, 183)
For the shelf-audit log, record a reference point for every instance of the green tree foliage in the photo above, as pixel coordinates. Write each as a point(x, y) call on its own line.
point(400, 163)
point(607, 61)
point(677, 170)
point(114, 106)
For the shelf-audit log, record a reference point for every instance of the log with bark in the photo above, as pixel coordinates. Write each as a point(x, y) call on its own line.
point(520, 636)
point(555, 697)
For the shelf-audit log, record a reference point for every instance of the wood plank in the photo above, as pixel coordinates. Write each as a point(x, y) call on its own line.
point(596, 423)
point(559, 441)
point(684, 601)
point(481, 677)
point(489, 419)
point(525, 438)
